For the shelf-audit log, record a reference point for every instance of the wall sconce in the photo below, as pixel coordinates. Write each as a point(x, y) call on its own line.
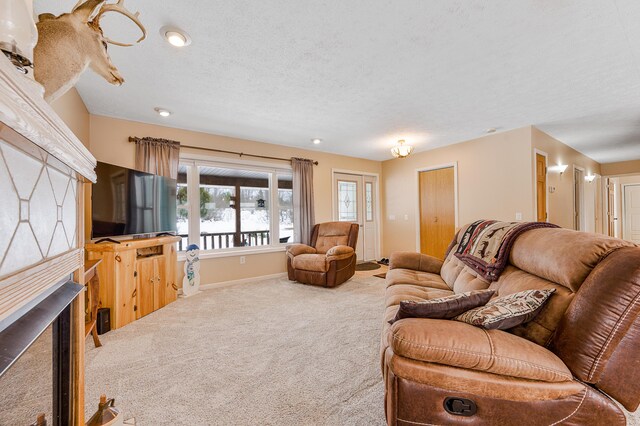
point(559, 168)
point(590, 178)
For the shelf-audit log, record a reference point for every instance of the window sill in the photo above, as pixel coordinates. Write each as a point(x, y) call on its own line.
point(210, 254)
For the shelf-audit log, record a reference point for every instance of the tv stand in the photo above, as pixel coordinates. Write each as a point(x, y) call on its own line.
point(137, 276)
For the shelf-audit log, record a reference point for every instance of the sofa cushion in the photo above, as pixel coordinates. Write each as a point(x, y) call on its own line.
point(508, 311)
point(409, 276)
point(443, 307)
point(541, 328)
point(562, 255)
point(310, 262)
point(397, 293)
point(462, 345)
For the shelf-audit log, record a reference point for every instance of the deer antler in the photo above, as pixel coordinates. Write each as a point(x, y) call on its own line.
point(119, 8)
point(86, 8)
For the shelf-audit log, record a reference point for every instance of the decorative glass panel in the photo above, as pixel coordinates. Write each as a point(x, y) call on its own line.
point(38, 218)
point(368, 193)
point(347, 201)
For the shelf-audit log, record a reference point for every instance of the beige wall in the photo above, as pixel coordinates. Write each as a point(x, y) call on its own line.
point(494, 182)
point(560, 202)
point(621, 168)
point(109, 143)
point(72, 110)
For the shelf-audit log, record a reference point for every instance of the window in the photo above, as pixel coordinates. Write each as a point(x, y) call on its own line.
point(234, 207)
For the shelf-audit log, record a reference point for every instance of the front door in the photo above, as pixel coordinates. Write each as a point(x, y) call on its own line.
point(437, 211)
point(356, 202)
point(348, 204)
point(631, 214)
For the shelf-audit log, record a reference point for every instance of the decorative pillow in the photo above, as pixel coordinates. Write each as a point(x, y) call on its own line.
point(507, 311)
point(443, 307)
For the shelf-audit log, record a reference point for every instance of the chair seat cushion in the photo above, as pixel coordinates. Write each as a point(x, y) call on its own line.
point(419, 278)
point(310, 262)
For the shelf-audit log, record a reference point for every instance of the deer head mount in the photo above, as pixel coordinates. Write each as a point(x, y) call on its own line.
point(71, 42)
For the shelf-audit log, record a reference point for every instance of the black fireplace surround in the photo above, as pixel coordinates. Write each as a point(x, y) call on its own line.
point(17, 337)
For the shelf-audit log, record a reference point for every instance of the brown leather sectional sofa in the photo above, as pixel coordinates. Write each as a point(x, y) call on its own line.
point(563, 367)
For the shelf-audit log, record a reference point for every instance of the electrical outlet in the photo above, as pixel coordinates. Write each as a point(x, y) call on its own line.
point(392, 217)
point(518, 216)
point(406, 217)
point(243, 260)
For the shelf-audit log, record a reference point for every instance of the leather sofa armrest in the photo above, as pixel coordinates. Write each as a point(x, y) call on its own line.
point(415, 261)
point(339, 253)
point(462, 345)
point(294, 250)
point(338, 250)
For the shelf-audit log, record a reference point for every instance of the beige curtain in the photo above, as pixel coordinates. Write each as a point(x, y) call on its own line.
point(158, 156)
point(303, 211)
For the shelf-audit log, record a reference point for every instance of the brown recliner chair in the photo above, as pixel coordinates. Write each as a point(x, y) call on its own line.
point(330, 260)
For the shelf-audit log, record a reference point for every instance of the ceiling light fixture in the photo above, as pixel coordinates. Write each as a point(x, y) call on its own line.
point(175, 36)
point(401, 150)
point(316, 141)
point(491, 130)
point(590, 178)
point(162, 112)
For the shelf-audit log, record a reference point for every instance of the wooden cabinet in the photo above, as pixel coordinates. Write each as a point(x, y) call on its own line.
point(137, 277)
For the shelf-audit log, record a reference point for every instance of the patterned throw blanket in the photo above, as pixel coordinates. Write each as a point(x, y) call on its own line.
point(486, 244)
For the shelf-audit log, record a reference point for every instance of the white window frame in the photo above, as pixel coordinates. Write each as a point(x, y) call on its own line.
point(194, 161)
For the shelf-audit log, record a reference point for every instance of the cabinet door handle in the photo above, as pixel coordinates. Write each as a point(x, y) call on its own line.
point(118, 258)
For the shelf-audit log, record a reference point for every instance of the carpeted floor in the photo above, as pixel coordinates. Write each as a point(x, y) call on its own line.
point(269, 353)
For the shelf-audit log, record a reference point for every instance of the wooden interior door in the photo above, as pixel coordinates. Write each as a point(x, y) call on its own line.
point(437, 211)
point(541, 187)
point(578, 195)
point(631, 214)
point(611, 202)
point(146, 286)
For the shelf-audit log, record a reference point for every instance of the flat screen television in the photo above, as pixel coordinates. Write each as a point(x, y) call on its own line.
point(129, 202)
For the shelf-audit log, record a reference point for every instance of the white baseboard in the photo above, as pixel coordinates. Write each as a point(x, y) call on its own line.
point(241, 281)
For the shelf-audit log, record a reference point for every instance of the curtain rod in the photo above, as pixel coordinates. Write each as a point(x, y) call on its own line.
point(240, 154)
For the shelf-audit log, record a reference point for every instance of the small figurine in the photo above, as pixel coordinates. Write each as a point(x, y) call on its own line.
point(191, 280)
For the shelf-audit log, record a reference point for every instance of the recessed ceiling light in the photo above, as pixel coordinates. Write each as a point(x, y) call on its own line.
point(162, 112)
point(175, 36)
point(316, 141)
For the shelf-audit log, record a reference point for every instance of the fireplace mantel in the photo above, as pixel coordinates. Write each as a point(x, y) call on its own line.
point(23, 108)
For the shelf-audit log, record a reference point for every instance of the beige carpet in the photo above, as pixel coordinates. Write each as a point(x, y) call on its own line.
point(268, 353)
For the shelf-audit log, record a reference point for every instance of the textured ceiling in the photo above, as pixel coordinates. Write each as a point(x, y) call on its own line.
point(361, 74)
